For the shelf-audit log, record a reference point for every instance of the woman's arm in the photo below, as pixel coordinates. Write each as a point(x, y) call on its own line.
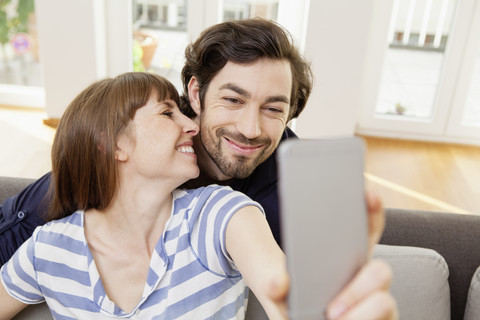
point(263, 266)
point(260, 260)
point(10, 305)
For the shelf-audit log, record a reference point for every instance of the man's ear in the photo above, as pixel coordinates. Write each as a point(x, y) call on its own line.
point(194, 95)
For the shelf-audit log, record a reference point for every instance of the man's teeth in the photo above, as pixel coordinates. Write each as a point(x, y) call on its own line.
point(186, 149)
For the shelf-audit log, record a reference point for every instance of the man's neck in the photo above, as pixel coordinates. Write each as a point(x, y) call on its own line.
point(204, 180)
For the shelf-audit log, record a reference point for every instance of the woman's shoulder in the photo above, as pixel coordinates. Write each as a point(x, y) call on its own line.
point(60, 240)
point(207, 192)
point(212, 197)
point(75, 218)
point(73, 223)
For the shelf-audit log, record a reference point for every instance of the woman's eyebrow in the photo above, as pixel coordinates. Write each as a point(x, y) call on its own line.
point(168, 103)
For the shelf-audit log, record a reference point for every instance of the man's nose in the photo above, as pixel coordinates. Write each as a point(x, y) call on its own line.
point(248, 122)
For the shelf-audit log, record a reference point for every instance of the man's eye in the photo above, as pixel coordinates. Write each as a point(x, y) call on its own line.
point(275, 110)
point(233, 100)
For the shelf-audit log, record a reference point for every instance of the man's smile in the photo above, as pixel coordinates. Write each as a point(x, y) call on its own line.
point(244, 149)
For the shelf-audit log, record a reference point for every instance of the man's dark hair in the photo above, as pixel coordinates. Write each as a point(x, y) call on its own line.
point(244, 42)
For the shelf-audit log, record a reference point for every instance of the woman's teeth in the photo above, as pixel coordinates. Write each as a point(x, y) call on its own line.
point(186, 149)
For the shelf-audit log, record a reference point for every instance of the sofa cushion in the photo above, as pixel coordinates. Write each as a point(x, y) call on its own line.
point(254, 309)
point(11, 186)
point(34, 312)
point(451, 235)
point(419, 285)
point(472, 309)
point(420, 281)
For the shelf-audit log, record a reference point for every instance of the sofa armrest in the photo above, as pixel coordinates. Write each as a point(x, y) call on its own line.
point(453, 236)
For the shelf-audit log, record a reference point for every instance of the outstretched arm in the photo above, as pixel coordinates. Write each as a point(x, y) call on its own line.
point(367, 295)
point(10, 305)
point(250, 244)
point(257, 255)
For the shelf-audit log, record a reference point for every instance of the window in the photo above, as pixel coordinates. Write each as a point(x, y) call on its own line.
point(20, 69)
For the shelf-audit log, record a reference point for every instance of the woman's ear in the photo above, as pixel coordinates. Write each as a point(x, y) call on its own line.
point(121, 155)
point(120, 149)
point(194, 95)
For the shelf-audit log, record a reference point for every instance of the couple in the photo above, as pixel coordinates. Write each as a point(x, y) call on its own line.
point(243, 82)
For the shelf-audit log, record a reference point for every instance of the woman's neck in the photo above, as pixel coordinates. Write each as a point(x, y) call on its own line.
point(138, 213)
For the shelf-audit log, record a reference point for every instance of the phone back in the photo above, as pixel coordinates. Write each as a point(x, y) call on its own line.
point(323, 219)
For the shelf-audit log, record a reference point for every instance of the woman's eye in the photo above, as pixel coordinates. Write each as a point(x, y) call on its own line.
point(168, 114)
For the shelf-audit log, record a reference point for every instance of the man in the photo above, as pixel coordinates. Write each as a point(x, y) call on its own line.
point(243, 82)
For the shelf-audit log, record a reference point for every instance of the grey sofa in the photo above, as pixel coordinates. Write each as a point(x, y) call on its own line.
point(418, 245)
point(456, 238)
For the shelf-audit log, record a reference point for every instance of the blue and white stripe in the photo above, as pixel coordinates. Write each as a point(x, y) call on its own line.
point(191, 275)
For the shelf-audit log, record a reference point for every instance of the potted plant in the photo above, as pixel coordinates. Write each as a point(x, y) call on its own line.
point(14, 22)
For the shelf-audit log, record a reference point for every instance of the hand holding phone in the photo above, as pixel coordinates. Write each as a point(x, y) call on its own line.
point(323, 219)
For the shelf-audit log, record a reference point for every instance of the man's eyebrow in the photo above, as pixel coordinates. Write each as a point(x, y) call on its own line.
point(245, 93)
point(237, 89)
point(280, 98)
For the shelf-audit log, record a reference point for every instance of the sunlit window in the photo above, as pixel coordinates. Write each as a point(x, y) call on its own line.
point(237, 10)
point(413, 62)
point(19, 60)
point(471, 117)
point(160, 37)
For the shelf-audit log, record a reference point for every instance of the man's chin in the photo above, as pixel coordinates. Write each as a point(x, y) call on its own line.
point(236, 170)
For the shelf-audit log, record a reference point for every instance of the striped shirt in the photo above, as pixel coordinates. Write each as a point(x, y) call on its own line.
point(191, 275)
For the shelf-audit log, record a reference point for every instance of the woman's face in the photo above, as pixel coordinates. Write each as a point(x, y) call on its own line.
point(158, 143)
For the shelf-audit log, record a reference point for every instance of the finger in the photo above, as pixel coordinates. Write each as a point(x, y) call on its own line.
point(376, 220)
point(373, 277)
point(377, 306)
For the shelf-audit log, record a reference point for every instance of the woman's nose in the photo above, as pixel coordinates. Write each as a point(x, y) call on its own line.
point(190, 126)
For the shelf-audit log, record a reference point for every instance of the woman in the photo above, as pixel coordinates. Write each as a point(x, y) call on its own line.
point(123, 241)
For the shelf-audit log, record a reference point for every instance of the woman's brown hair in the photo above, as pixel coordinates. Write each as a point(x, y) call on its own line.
point(84, 169)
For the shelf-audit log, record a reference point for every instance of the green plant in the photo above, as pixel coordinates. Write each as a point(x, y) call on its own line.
point(137, 57)
point(399, 109)
point(17, 23)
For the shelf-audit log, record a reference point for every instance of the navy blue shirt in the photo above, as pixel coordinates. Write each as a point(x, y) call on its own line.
point(261, 186)
point(22, 213)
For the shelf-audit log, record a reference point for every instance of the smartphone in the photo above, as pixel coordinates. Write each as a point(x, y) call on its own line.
point(323, 219)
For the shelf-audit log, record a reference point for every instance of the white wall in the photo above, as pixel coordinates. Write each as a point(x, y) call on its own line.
point(336, 43)
point(80, 45)
point(65, 29)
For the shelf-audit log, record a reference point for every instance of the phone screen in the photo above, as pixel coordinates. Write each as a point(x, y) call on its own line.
point(323, 219)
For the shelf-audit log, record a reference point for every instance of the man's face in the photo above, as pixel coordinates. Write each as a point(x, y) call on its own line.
point(245, 111)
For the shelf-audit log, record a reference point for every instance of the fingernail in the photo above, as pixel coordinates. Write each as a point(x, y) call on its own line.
point(335, 312)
